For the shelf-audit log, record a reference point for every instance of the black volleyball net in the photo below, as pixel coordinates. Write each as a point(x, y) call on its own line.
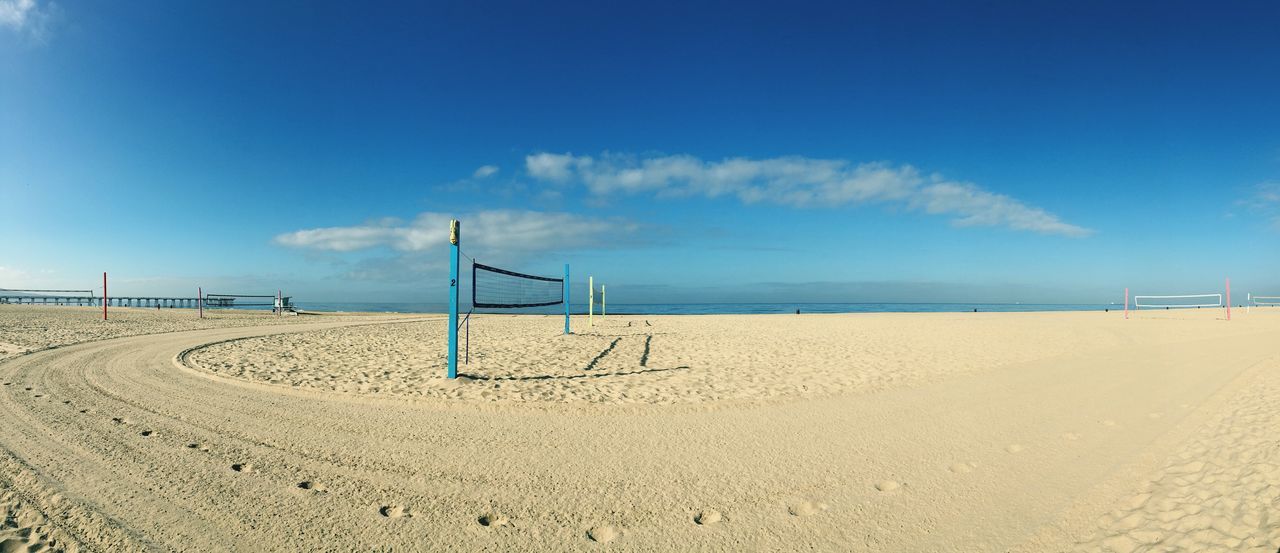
point(494, 288)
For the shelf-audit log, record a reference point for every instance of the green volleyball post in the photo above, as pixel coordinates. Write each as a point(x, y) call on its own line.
point(566, 298)
point(454, 239)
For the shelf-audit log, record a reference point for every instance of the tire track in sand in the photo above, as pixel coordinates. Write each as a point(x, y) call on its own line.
point(458, 477)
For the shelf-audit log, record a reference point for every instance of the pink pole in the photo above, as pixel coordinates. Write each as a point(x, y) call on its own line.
point(200, 300)
point(280, 305)
point(1228, 299)
point(1126, 303)
point(104, 296)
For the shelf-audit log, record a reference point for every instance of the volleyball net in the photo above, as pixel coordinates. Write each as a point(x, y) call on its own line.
point(1264, 301)
point(494, 288)
point(1181, 301)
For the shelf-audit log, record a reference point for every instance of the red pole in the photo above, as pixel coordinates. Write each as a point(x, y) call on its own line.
point(104, 296)
point(200, 300)
point(1126, 303)
point(1228, 299)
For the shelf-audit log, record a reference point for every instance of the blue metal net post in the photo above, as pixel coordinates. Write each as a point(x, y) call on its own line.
point(566, 298)
point(454, 239)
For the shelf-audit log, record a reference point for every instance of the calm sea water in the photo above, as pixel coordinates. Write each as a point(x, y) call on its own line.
point(723, 308)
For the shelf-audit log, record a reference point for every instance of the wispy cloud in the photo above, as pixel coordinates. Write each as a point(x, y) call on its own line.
point(10, 276)
point(1268, 193)
point(1265, 201)
point(503, 231)
point(485, 171)
point(494, 236)
point(797, 182)
point(27, 17)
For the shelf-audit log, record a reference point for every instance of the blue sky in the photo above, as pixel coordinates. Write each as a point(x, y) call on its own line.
point(994, 151)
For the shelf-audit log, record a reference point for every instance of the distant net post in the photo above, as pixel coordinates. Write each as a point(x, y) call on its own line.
point(1228, 299)
point(603, 310)
point(591, 300)
point(566, 299)
point(104, 296)
point(454, 238)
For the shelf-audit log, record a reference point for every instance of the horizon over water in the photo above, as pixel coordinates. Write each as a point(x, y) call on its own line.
point(725, 308)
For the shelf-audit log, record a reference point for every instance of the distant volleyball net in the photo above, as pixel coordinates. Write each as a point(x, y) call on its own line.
point(1264, 301)
point(1182, 301)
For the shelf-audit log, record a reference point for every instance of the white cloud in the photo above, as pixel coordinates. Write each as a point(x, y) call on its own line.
point(14, 13)
point(27, 16)
point(485, 171)
point(797, 182)
point(554, 167)
point(499, 232)
point(976, 207)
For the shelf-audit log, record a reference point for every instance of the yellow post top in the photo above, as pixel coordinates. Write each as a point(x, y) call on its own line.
point(454, 228)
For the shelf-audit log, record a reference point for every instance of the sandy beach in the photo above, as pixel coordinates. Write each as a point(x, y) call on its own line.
point(1068, 431)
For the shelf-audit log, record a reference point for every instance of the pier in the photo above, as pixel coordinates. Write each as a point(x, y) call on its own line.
point(10, 298)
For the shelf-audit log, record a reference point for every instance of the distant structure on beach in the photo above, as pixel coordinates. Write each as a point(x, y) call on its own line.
point(88, 298)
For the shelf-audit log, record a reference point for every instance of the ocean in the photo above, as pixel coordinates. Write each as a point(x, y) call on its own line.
point(718, 308)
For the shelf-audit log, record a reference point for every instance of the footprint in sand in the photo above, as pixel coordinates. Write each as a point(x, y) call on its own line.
point(198, 446)
point(493, 520)
point(806, 508)
point(1013, 448)
point(66, 402)
point(147, 433)
point(23, 543)
point(886, 486)
point(84, 410)
point(961, 468)
point(312, 486)
point(708, 517)
point(242, 467)
point(394, 511)
point(1108, 422)
point(119, 420)
point(603, 534)
point(39, 395)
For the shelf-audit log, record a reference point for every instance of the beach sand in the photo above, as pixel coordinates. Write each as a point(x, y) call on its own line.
point(862, 432)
